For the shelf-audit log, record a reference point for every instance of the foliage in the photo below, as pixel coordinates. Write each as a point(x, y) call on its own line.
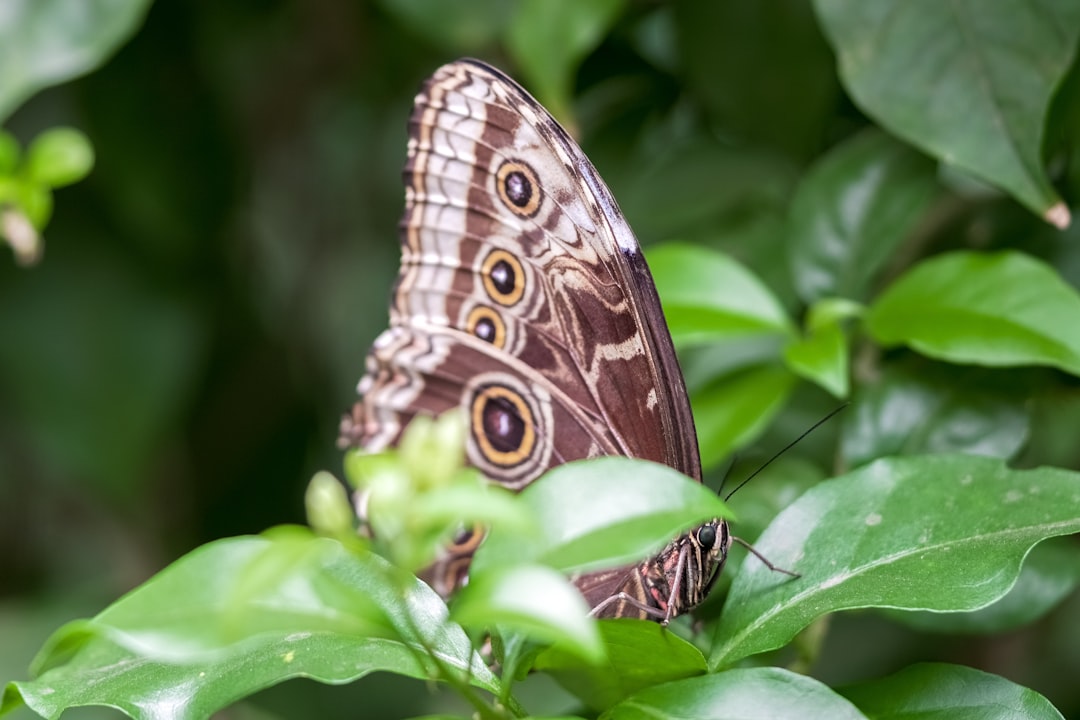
point(893, 232)
point(46, 42)
point(916, 533)
point(56, 158)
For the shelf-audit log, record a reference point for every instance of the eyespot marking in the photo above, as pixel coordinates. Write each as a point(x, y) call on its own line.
point(502, 425)
point(503, 277)
point(518, 188)
point(485, 323)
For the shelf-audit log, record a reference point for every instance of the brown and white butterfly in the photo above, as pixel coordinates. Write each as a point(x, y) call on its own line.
point(523, 298)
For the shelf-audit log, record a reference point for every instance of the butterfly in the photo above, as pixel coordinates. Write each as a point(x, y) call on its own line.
point(524, 300)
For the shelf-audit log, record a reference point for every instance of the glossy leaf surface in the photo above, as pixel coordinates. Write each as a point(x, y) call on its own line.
point(942, 77)
point(240, 615)
point(936, 691)
point(602, 513)
point(44, 42)
point(997, 309)
point(742, 693)
point(935, 532)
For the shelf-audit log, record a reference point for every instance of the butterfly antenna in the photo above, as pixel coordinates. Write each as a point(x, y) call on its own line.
point(787, 447)
point(727, 473)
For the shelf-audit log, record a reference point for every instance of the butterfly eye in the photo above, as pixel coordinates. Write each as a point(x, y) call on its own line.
point(706, 536)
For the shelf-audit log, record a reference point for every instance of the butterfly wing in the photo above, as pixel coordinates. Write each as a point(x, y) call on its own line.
point(523, 297)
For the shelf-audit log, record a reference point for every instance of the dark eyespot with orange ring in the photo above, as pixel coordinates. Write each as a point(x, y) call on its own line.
point(467, 539)
point(518, 188)
point(485, 323)
point(504, 280)
point(502, 425)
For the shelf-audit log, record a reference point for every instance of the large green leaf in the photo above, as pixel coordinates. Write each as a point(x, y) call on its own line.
point(936, 691)
point(709, 297)
point(763, 692)
point(970, 83)
point(239, 615)
point(850, 212)
point(45, 42)
point(1049, 574)
point(997, 309)
point(602, 513)
point(106, 674)
point(640, 654)
point(534, 600)
point(937, 532)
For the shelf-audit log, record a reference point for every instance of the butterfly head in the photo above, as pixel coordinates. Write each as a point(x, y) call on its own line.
point(709, 550)
point(680, 577)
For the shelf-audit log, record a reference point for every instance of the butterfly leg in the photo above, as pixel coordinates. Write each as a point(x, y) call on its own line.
point(649, 610)
point(763, 559)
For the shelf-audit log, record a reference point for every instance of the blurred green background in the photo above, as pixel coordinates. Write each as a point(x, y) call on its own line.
point(175, 369)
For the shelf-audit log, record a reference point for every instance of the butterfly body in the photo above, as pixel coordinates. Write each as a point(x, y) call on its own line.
point(524, 300)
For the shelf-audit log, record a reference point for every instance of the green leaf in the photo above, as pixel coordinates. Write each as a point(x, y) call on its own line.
point(46, 42)
point(996, 309)
point(535, 600)
point(707, 296)
point(639, 655)
point(937, 691)
point(228, 592)
point(515, 653)
point(734, 409)
point(918, 409)
point(549, 38)
point(600, 513)
point(108, 675)
point(1049, 574)
point(58, 157)
point(763, 692)
point(851, 211)
point(942, 77)
point(242, 614)
point(937, 532)
point(821, 356)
